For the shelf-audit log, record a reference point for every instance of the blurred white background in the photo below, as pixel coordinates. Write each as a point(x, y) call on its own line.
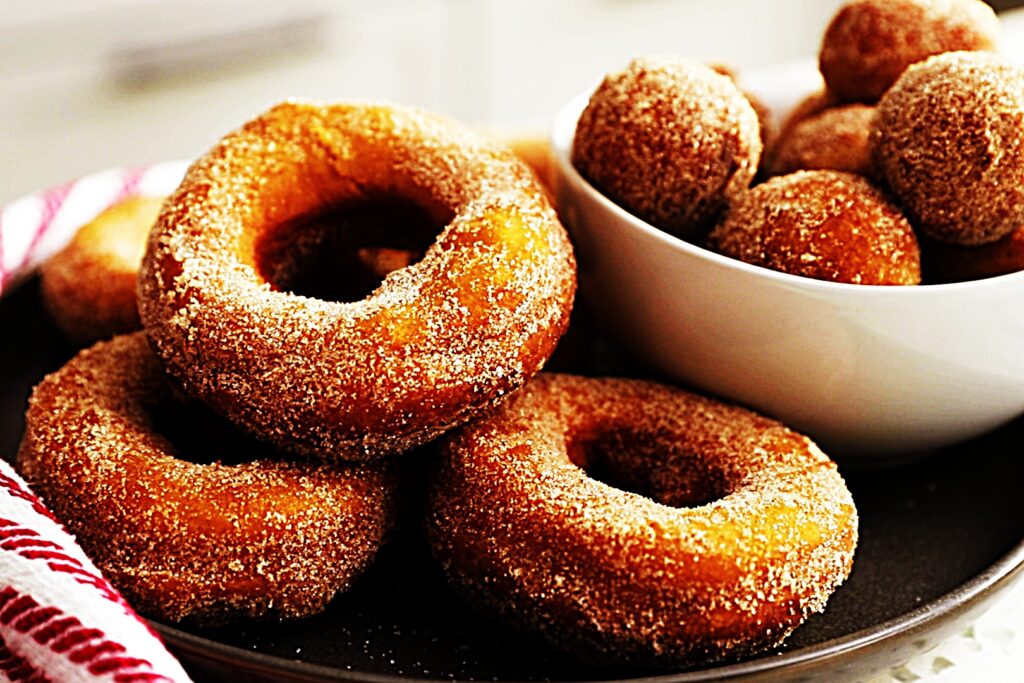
point(88, 84)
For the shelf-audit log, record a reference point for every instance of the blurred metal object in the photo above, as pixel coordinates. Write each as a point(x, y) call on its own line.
point(139, 64)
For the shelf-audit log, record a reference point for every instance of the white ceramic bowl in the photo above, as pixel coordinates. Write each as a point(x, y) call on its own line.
point(873, 373)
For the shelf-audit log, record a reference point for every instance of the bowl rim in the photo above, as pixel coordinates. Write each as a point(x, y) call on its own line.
point(561, 134)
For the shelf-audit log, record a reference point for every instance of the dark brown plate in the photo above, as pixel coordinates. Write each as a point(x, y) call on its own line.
point(940, 540)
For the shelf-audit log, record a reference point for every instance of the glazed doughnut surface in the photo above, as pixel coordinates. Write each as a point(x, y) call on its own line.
point(739, 530)
point(436, 344)
point(180, 539)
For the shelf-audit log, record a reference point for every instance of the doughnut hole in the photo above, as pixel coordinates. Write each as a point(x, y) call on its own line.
point(836, 138)
point(869, 43)
point(764, 113)
point(948, 138)
point(826, 225)
point(344, 251)
point(812, 105)
point(633, 460)
point(669, 140)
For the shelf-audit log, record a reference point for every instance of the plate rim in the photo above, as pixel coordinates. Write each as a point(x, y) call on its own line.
point(994, 579)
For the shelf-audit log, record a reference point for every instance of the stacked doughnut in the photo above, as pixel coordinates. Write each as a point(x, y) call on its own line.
point(317, 394)
point(630, 522)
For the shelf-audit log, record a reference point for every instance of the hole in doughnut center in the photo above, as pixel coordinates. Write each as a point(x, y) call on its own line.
point(198, 435)
point(344, 251)
point(653, 467)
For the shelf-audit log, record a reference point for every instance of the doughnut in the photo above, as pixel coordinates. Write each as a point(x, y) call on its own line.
point(948, 139)
point(670, 141)
point(199, 539)
point(637, 523)
point(942, 262)
point(88, 287)
point(813, 104)
point(835, 138)
point(826, 225)
point(809, 106)
point(869, 43)
point(535, 151)
point(433, 345)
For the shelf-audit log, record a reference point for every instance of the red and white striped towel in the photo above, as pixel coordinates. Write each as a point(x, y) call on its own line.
point(60, 621)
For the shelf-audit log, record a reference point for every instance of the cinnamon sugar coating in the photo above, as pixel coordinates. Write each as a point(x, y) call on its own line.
point(949, 140)
point(437, 343)
point(836, 138)
point(809, 106)
point(669, 140)
point(209, 542)
point(741, 528)
point(535, 151)
point(812, 105)
point(826, 225)
point(88, 288)
point(869, 43)
point(954, 263)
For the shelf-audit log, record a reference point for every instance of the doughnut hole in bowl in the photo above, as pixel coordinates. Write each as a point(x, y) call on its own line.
point(875, 374)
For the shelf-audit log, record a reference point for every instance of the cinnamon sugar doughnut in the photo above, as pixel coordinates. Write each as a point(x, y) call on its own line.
point(436, 344)
point(669, 140)
point(535, 151)
point(809, 106)
point(836, 138)
point(730, 532)
point(181, 539)
point(88, 288)
point(949, 140)
point(826, 225)
point(869, 43)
